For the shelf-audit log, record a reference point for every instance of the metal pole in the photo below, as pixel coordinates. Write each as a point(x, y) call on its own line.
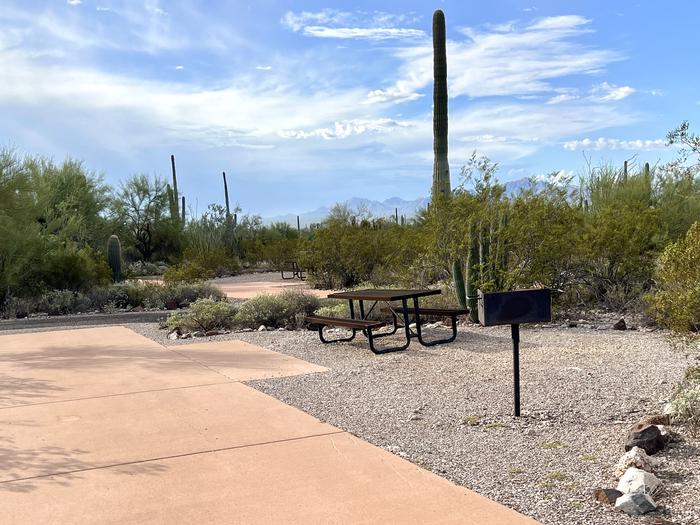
point(515, 335)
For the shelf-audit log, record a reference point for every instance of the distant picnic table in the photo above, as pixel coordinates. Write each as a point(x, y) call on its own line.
point(293, 268)
point(401, 317)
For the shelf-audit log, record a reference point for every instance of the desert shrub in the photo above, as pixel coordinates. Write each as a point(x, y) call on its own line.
point(685, 405)
point(677, 302)
point(17, 307)
point(285, 309)
point(182, 295)
point(334, 310)
point(344, 251)
point(198, 266)
point(145, 268)
point(203, 315)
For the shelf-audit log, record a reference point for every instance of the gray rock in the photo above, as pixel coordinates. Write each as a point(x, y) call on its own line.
point(607, 496)
point(636, 481)
point(635, 504)
point(262, 328)
point(620, 324)
point(647, 437)
point(198, 333)
point(188, 335)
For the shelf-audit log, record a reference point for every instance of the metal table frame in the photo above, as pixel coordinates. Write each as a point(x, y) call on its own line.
point(387, 296)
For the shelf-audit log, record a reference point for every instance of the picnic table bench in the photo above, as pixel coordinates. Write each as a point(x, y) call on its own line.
point(401, 316)
point(293, 267)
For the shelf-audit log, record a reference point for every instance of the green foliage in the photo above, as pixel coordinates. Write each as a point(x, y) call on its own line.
point(145, 268)
point(114, 257)
point(122, 296)
point(202, 265)
point(203, 315)
point(677, 302)
point(340, 310)
point(685, 405)
point(140, 206)
point(281, 310)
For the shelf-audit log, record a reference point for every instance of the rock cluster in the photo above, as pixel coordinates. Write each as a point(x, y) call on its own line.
point(637, 483)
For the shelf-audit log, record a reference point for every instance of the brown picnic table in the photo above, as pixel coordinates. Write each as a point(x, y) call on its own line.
point(366, 326)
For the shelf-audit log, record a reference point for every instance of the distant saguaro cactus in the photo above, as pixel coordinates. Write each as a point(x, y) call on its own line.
point(175, 202)
point(114, 257)
point(441, 167)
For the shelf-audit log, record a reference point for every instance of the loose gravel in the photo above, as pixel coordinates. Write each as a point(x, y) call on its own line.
point(448, 409)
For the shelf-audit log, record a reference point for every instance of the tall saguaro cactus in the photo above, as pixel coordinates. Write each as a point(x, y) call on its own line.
point(175, 202)
point(228, 207)
point(441, 167)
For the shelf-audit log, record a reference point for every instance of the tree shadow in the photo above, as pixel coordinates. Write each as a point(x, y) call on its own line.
point(23, 390)
point(56, 466)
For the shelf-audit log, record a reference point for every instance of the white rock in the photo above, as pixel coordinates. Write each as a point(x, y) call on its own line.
point(636, 481)
point(262, 328)
point(635, 504)
point(636, 457)
point(173, 335)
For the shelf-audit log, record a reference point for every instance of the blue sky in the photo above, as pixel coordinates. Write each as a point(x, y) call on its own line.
point(309, 103)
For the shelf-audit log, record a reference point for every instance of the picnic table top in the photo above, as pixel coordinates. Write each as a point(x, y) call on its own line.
point(375, 294)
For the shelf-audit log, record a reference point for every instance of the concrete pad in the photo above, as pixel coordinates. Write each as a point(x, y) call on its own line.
point(327, 479)
point(73, 364)
point(246, 290)
point(62, 437)
point(242, 361)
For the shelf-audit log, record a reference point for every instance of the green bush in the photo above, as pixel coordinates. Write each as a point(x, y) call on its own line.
point(677, 302)
point(145, 269)
point(203, 265)
point(203, 315)
point(282, 310)
point(685, 405)
point(336, 310)
point(182, 295)
point(122, 296)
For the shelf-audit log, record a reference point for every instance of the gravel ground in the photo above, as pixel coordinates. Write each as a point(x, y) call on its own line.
point(448, 409)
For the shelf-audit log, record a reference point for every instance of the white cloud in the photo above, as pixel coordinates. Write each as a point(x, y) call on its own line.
point(345, 129)
point(263, 68)
point(368, 33)
point(564, 97)
point(74, 2)
point(518, 62)
point(179, 68)
point(400, 93)
point(605, 92)
point(332, 23)
point(615, 144)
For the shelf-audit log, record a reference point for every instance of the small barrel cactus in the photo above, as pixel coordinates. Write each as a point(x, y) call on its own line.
point(114, 257)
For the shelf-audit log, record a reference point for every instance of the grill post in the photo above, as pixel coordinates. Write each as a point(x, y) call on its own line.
point(515, 335)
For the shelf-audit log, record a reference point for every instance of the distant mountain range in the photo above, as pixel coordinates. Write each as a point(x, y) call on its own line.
point(386, 208)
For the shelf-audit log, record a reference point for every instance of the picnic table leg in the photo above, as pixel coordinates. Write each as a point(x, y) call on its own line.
point(419, 335)
point(342, 339)
point(371, 337)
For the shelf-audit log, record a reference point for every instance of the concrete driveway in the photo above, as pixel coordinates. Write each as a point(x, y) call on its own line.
point(102, 425)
